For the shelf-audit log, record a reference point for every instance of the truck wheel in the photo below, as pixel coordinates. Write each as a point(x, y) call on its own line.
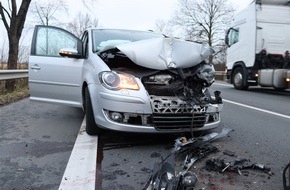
point(239, 79)
point(91, 127)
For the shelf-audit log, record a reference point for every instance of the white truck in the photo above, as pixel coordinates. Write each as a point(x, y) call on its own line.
point(258, 43)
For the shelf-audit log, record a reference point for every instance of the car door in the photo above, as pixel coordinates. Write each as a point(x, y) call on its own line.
point(54, 78)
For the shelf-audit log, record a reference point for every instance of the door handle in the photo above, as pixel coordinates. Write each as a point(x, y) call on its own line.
point(35, 67)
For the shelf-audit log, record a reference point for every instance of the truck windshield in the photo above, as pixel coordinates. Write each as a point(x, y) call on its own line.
point(106, 39)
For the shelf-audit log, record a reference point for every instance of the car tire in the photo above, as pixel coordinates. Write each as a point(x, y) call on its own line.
point(239, 79)
point(91, 127)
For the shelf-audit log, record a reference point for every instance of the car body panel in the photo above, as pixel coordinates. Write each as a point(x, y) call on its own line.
point(166, 52)
point(53, 78)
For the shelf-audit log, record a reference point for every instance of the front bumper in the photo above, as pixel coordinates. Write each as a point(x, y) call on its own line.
point(154, 114)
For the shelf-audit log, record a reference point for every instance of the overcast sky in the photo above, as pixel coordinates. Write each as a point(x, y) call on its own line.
point(137, 14)
point(128, 14)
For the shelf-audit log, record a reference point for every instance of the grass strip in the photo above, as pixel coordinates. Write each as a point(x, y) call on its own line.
point(18, 94)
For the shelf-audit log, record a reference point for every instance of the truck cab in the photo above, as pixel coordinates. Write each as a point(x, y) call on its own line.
point(258, 43)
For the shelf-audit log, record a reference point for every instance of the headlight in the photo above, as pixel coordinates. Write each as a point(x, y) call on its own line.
point(117, 81)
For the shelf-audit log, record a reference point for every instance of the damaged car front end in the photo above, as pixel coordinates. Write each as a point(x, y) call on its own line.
point(153, 83)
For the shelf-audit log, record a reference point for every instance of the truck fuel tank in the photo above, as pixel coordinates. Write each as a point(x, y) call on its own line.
point(277, 78)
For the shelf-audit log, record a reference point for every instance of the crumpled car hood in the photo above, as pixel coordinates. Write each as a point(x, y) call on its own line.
point(165, 53)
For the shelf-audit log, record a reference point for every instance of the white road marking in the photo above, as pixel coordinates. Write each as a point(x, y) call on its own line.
point(251, 107)
point(258, 109)
point(80, 172)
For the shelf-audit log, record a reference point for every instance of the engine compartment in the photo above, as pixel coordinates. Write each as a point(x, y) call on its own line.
point(179, 97)
point(188, 84)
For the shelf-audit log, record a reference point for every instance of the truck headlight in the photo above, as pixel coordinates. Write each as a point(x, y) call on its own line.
point(117, 81)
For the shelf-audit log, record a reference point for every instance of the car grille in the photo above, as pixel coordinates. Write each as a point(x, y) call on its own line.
point(178, 121)
point(170, 113)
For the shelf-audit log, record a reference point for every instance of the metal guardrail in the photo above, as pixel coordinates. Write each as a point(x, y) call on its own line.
point(219, 73)
point(13, 74)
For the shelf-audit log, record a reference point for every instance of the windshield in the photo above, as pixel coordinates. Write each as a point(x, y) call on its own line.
point(106, 39)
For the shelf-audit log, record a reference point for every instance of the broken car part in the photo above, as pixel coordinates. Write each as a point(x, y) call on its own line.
point(286, 179)
point(236, 166)
point(182, 145)
point(229, 153)
point(194, 149)
point(166, 52)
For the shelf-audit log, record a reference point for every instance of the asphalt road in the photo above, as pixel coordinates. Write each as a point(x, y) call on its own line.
point(35, 144)
point(260, 118)
point(36, 140)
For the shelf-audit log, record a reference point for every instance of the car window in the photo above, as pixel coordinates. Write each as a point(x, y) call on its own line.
point(50, 40)
point(111, 38)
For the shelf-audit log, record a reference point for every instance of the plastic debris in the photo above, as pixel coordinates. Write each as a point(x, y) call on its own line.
point(229, 153)
point(237, 166)
point(286, 185)
point(164, 175)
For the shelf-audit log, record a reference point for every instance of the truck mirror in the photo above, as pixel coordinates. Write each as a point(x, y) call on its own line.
point(227, 40)
point(227, 37)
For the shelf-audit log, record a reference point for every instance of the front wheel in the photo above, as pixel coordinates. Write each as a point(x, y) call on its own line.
point(239, 79)
point(91, 127)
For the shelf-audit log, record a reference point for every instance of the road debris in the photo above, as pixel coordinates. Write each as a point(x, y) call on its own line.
point(20, 169)
point(229, 153)
point(164, 175)
point(236, 166)
point(286, 180)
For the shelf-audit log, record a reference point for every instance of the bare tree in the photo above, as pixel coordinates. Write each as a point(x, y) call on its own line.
point(80, 23)
point(163, 27)
point(23, 54)
point(89, 3)
point(13, 20)
point(3, 53)
point(204, 20)
point(45, 11)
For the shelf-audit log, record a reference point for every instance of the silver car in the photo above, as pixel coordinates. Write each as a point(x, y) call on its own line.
point(134, 81)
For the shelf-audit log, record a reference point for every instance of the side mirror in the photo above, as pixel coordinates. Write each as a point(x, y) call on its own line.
point(227, 37)
point(69, 52)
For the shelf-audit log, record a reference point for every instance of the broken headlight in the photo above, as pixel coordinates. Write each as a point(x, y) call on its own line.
point(206, 73)
point(117, 81)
